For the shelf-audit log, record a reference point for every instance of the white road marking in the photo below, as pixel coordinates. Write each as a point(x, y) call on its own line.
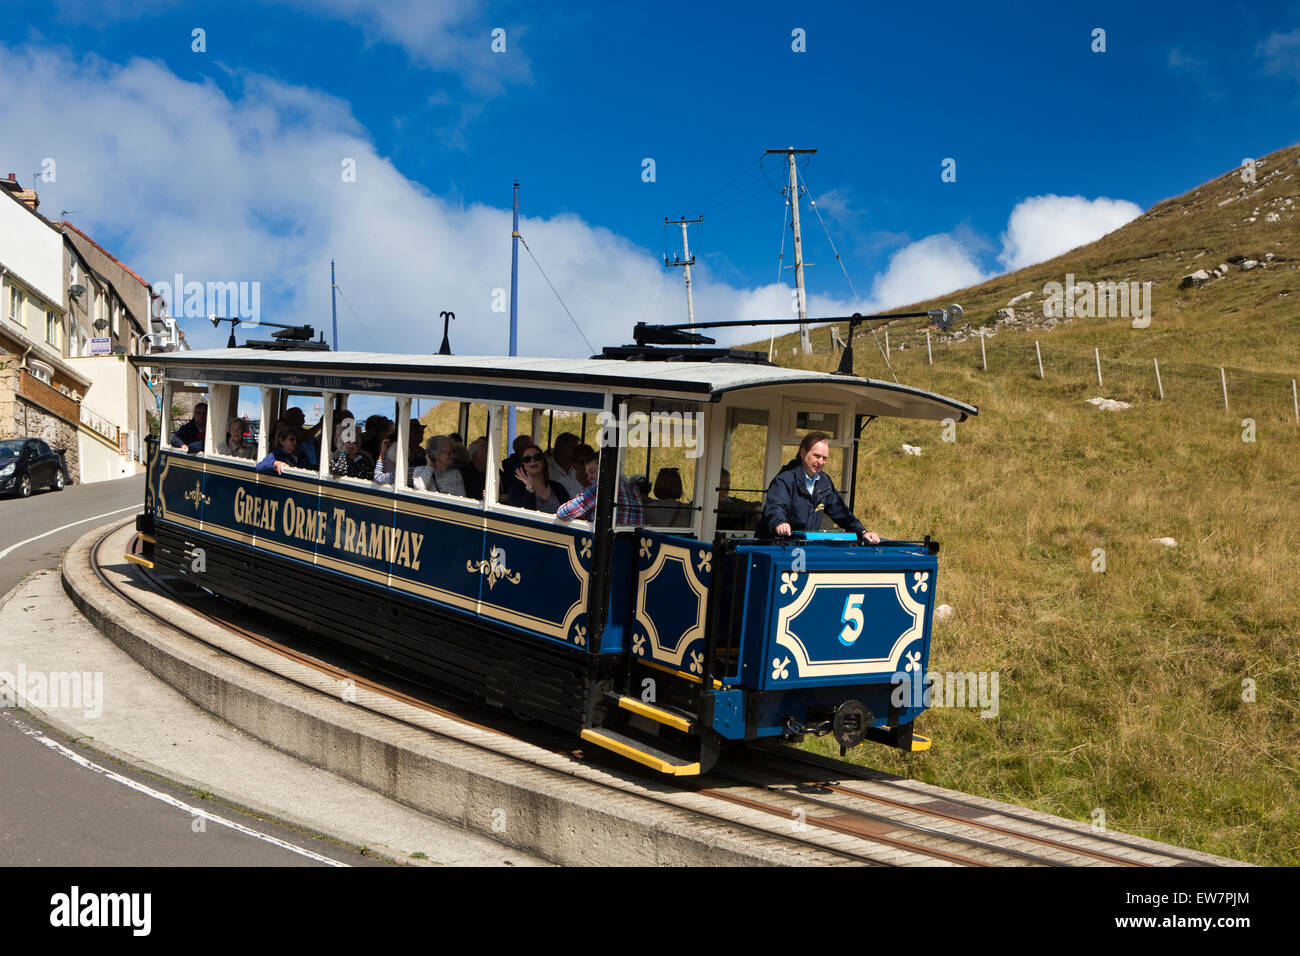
point(180, 804)
point(106, 514)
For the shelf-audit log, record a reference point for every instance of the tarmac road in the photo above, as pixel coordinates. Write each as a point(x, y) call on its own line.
point(25, 519)
point(62, 804)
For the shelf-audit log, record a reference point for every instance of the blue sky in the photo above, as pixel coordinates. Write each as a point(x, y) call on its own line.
point(223, 164)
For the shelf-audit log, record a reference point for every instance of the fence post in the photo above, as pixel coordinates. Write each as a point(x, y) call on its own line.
point(886, 341)
point(1039, 353)
point(983, 357)
point(1223, 377)
point(1295, 402)
point(928, 353)
point(1159, 387)
point(1097, 354)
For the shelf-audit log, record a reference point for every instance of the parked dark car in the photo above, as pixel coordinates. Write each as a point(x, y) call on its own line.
point(28, 463)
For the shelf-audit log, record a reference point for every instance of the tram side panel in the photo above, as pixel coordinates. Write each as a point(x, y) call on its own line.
point(487, 606)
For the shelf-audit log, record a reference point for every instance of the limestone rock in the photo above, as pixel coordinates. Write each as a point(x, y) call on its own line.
point(1109, 404)
point(1197, 278)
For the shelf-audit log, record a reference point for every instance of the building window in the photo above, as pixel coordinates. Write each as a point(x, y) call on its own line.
point(42, 372)
point(52, 328)
point(74, 341)
point(16, 306)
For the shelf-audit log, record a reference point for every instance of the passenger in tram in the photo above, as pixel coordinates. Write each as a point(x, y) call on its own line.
point(532, 487)
point(667, 509)
point(286, 454)
point(439, 475)
point(306, 436)
point(348, 458)
point(798, 497)
point(506, 478)
point(234, 444)
point(190, 435)
point(561, 461)
point(474, 472)
point(415, 450)
point(459, 452)
point(386, 462)
point(377, 429)
point(583, 507)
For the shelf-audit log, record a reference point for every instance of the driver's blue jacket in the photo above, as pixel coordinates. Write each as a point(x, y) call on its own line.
point(788, 500)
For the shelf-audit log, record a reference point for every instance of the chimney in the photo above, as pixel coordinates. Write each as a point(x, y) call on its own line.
point(27, 197)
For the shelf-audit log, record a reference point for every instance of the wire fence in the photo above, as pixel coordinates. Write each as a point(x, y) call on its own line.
point(1124, 378)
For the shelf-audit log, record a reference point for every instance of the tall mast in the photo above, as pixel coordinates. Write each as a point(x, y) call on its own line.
point(334, 305)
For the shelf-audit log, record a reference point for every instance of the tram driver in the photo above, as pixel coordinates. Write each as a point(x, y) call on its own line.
point(802, 493)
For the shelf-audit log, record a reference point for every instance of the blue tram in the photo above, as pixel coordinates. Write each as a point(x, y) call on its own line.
point(657, 641)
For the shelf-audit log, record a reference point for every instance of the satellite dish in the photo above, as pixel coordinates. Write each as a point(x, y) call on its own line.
point(76, 290)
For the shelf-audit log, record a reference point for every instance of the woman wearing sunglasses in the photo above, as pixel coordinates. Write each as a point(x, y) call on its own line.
point(285, 454)
point(532, 488)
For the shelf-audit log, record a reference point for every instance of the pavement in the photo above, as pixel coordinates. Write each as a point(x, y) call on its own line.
point(123, 721)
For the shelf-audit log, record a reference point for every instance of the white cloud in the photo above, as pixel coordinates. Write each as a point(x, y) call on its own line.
point(1042, 227)
point(927, 268)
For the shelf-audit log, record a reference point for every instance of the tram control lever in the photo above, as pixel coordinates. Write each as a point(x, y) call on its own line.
point(847, 537)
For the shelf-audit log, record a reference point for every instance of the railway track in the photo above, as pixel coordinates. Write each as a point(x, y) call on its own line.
point(824, 812)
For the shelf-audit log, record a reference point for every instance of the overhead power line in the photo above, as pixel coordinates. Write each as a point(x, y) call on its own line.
point(590, 347)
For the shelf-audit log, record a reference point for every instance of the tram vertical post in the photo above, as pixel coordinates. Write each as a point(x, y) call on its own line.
point(602, 552)
point(514, 309)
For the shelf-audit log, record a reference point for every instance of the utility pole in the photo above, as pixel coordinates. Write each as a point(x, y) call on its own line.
point(686, 261)
point(804, 344)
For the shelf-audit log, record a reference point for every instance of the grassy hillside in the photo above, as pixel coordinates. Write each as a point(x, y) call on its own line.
point(1121, 690)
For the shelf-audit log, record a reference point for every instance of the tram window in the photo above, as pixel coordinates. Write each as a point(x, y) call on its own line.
point(301, 411)
point(741, 483)
point(449, 448)
point(559, 435)
point(664, 449)
point(363, 446)
point(187, 431)
point(232, 412)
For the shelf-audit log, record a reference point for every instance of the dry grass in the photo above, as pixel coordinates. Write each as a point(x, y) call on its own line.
point(1120, 690)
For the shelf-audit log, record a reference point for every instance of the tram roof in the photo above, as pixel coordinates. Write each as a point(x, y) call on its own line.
point(695, 381)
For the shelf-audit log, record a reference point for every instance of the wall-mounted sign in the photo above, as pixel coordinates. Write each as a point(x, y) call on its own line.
point(101, 346)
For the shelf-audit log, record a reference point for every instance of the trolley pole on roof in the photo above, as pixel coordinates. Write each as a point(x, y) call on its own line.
point(685, 261)
point(334, 304)
point(804, 344)
point(514, 315)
